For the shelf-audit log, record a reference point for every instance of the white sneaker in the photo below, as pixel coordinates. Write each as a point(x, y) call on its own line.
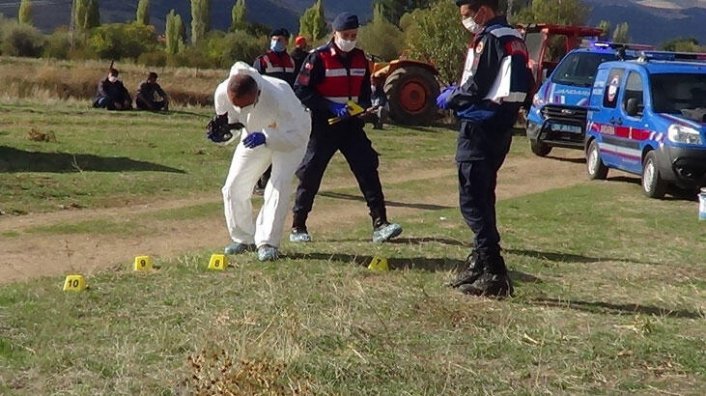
point(267, 253)
point(299, 236)
point(386, 232)
point(238, 248)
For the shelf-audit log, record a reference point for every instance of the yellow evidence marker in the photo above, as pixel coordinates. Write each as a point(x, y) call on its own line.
point(75, 283)
point(218, 262)
point(354, 109)
point(379, 264)
point(143, 263)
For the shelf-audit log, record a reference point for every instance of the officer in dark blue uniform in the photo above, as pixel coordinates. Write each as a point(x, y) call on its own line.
point(331, 76)
point(495, 84)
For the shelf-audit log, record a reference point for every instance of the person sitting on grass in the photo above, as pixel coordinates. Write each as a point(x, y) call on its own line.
point(112, 94)
point(150, 96)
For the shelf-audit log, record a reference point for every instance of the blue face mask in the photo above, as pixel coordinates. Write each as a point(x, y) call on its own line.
point(277, 46)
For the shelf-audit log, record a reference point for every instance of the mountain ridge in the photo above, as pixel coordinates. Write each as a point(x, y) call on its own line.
point(651, 21)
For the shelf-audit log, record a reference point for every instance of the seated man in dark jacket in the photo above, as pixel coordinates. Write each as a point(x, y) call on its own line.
point(150, 95)
point(112, 94)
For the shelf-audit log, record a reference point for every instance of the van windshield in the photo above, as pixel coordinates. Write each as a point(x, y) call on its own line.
point(579, 68)
point(674, 92)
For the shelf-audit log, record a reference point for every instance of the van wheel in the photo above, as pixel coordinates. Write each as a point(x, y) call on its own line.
point(652, 183)
point(540, 149)
point(595, 167)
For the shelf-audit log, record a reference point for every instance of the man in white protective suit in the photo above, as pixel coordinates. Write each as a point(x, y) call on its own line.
point(276, 128)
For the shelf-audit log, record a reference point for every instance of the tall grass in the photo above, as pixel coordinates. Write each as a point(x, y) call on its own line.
point(44, 79)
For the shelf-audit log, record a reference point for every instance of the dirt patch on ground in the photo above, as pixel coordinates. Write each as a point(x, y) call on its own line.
point(30, 255)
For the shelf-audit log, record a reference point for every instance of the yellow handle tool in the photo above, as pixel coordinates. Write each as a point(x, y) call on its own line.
point(354, 110)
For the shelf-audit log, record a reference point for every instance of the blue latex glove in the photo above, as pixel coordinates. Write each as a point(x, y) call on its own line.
point(254, 139)
point(443, 98)
point(339, 109)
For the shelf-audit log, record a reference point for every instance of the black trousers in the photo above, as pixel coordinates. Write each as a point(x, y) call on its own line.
point(362, 159)
point(152, 105)
point(477, 179)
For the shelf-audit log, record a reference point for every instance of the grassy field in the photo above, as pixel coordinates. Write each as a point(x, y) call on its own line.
point(103, 159)
point(71, 80)
point(610, 291)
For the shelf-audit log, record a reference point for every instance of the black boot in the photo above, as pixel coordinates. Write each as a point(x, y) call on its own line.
point(299, 232)
point(379, 217)
point(472, 271)
point(494, 282)
point(489, 277)
point(299, 221)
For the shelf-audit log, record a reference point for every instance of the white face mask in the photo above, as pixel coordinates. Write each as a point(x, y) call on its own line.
point(471, 25)
point(277, 46)
point(344, 45)
point(112, 79)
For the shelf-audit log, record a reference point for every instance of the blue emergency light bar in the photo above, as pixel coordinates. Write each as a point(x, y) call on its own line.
point(646, 56)
point(615, 46)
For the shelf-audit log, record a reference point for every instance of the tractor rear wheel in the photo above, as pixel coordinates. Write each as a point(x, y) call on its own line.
point(411, 93)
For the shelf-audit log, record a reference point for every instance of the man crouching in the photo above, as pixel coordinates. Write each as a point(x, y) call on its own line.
point(277, 128)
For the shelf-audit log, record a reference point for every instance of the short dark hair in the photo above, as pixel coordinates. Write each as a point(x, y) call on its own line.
point(242, 85)
point(477, 4)
point(152, 75)
point(280, 32)
point(113, 72)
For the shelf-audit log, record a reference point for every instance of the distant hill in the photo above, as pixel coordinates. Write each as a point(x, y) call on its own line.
point(49, 14)
point(654, 22)
point(651, 21)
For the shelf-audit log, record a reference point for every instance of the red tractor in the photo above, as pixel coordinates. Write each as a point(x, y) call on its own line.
point(410, 88)
point(548, 43)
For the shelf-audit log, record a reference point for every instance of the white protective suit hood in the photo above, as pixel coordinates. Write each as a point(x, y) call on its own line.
point(244, 68)
point(278, 113)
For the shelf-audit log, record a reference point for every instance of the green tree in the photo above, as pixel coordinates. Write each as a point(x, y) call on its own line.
point(93, 16)
point(200, 19)
point(437, 36)
point(85, 15)
point(173, 34)
point(22, 40)
point(312, 23)
point(57, 45)
point(220, 50)
point(620, 34)
point(79, 14)
point(238, 16)
point(509, 7)
point(606, 27)
point(369, 36)
point(564, 12)
point(681, 44)
point(393, 10)
point(24, 15)
point(143, 12)
point(122, 40)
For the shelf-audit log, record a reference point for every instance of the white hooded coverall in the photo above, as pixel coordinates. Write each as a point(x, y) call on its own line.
point(286, 124)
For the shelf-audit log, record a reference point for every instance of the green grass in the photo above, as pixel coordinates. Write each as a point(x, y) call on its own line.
point(104, 159)
point(610, 291)
point(90, 227)
point(596, 312)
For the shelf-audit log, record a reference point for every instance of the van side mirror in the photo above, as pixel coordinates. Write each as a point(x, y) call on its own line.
point(632, 108)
